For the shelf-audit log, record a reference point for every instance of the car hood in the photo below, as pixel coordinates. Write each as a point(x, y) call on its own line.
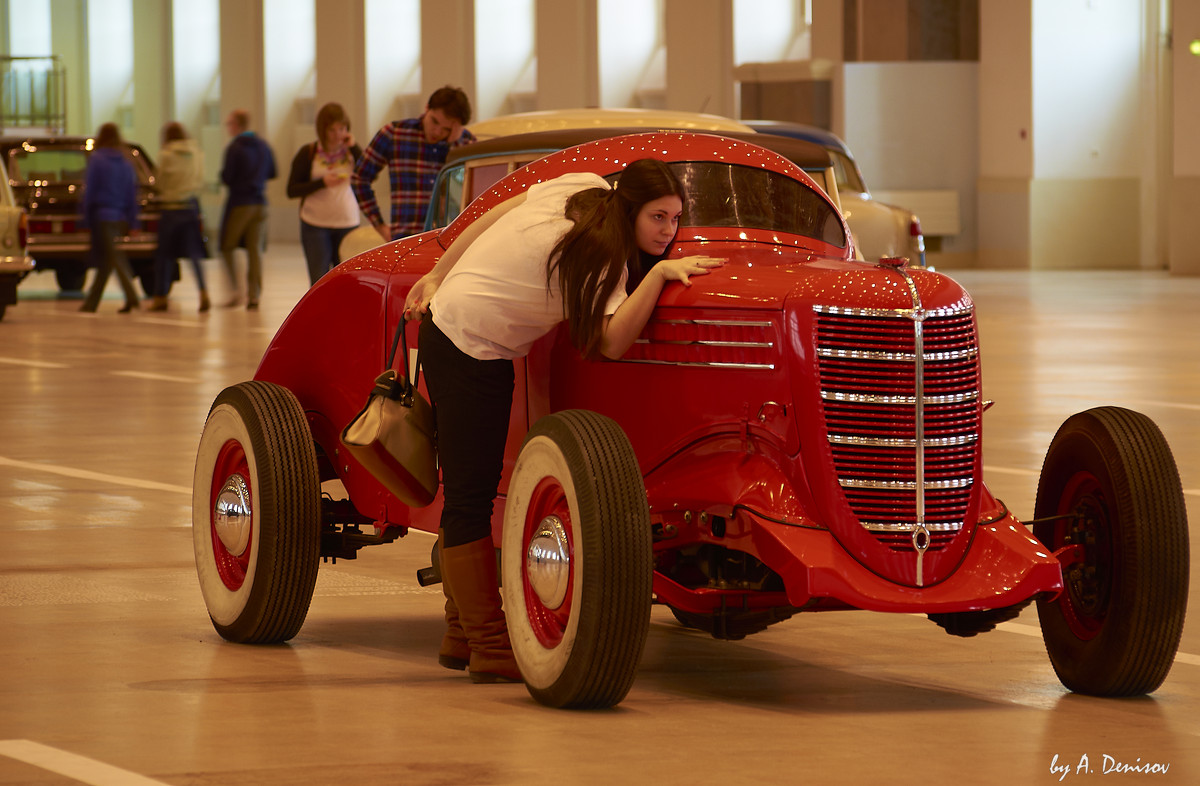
point(762, 276)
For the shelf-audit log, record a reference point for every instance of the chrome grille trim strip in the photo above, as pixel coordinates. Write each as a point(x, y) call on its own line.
point(905, 485)
point(948, 526)
point(881, 442)
point(900, 357)
point(902, 313)
point(864, 398)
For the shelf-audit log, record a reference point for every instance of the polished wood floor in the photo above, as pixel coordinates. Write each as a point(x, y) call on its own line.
point(110, 672)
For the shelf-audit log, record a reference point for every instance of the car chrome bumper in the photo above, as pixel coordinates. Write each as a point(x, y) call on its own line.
point(16, 264)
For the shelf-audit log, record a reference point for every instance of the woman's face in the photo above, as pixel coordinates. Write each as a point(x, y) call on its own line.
point(334, 135)
point(656, 224)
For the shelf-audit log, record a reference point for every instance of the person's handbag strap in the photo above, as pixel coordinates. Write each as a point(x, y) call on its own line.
point(399, 341)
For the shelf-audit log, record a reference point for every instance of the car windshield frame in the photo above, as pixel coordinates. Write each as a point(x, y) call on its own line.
point(721, 194)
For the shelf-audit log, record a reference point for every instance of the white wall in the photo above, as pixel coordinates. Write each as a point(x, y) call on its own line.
point(29, 28)
point(110, 67)
point(915, 126)
point(393, 55)
point(504, 53)
point(630, 34)
point(196, 50)
point(1087, 58)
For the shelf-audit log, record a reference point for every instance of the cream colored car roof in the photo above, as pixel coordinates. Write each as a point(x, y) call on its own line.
point(556, 119)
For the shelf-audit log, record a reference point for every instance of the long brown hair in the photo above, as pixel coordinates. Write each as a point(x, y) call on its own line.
point(590, 257)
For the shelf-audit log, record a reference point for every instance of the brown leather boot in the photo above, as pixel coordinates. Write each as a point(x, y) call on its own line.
point(455, 652)
point(470, 570)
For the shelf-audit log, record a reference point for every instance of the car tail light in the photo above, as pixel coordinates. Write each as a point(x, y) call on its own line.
point(40, 227)
point(914, 227)
point(870, 377)
point(727, 342)
point(23, 230)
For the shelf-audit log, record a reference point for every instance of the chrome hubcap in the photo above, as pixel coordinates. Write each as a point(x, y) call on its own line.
point(232, 515)
point(548, 563)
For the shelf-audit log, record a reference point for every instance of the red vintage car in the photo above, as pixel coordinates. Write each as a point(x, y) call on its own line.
point(797, 431)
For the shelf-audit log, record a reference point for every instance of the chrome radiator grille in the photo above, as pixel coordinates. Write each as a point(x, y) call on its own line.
point(900, 391)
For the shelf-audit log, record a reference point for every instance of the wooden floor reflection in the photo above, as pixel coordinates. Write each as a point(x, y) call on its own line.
point(111, 672)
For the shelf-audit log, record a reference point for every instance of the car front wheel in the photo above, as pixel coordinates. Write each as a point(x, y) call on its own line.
point(256, 517)
point(1110, 503)
point(577, 561)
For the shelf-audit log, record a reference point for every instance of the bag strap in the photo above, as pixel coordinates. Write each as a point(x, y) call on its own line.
point(399, 341)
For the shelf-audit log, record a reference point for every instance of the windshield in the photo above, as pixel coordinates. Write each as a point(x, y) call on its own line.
point(728, 195)
point(846, 173)
point(65, 165)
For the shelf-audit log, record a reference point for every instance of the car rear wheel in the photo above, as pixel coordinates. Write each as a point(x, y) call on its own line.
point(577, 561)
point(256, 517)
point(1110, 503)
point(70, 276)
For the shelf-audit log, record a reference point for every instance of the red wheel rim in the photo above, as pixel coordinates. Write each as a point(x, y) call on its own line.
point(1087, 584)
point(548, 624)
point(231, 461)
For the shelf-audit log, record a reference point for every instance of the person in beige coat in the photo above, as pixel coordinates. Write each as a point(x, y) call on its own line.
point(180, 231)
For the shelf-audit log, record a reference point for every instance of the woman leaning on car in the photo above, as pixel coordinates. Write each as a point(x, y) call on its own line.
point(320, 178)
point(562, 251)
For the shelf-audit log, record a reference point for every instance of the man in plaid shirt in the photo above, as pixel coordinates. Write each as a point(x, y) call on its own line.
point(413, 151)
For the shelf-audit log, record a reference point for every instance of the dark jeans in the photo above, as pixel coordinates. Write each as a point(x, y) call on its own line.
point(179, 235)
point(472, 400)
point(321, 248)
point(108, 257)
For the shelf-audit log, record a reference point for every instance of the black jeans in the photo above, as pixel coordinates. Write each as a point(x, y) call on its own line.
point(472, 400)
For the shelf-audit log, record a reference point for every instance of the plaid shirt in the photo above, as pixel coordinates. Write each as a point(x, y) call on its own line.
point(413, 165)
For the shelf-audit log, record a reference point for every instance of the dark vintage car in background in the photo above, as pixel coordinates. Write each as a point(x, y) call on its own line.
point(47, 177)
point(798, 431)
point(15, 262)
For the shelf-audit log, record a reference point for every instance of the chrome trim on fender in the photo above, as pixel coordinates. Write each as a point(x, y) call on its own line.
point(713, 364)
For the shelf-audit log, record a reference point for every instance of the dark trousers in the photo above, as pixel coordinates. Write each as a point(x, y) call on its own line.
point(244, 225)
point(179, 235)
point(109, 258)
point(320, 246)
point(472, 400)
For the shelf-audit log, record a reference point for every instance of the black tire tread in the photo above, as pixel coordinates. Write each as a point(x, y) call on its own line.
point(289, 514)
point(614, 621)
point(1135, 648)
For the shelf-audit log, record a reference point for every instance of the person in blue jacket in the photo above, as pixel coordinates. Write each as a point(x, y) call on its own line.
point(110, 210)
point(248, 165)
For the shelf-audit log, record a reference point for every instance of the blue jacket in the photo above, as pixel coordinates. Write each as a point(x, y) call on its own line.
point(110, 188)
point(248, 165)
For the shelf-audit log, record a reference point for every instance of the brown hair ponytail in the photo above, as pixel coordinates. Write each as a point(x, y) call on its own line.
point(591, 255)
